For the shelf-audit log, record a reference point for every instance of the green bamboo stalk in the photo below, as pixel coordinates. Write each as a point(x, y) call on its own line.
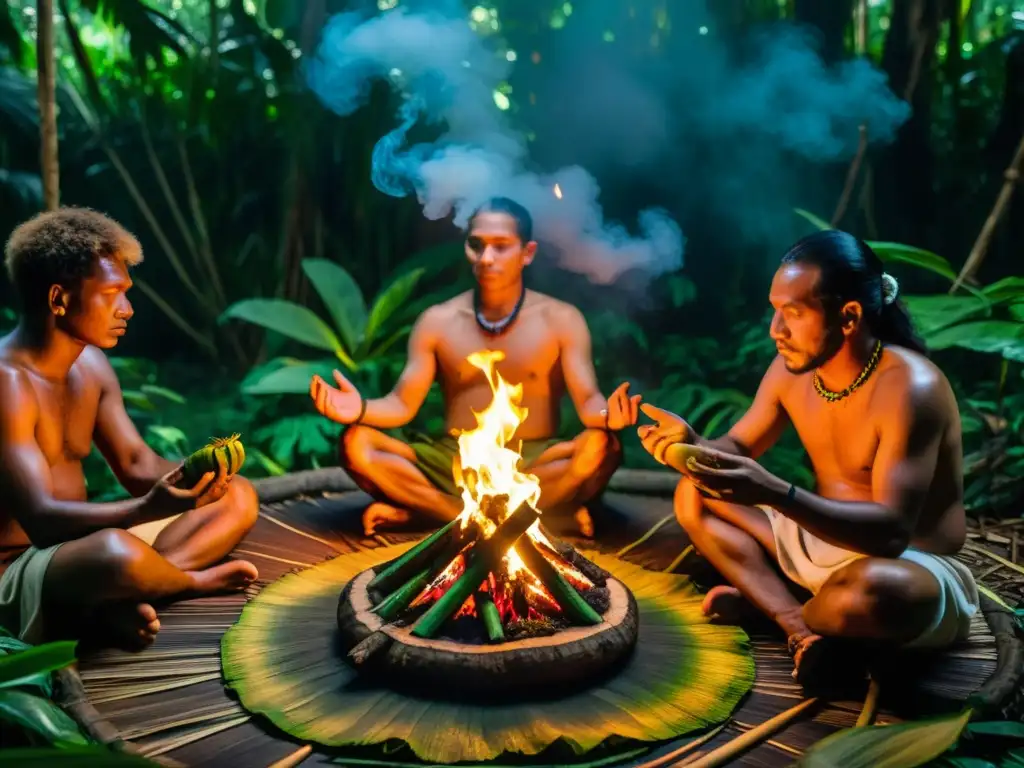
point(571, 601)
point(391, 606)
point(413, 560)
point(481, 559)
point(488, 613)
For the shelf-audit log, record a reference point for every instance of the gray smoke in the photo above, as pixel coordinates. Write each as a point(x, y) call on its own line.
point(782, 101)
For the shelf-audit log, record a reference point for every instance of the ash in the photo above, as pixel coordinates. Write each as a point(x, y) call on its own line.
point(598, 598)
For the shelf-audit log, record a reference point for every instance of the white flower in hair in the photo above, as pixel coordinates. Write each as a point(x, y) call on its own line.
point(890, 288)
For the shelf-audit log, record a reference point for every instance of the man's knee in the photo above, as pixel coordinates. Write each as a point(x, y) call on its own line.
point(242, 503)
point(355, 448)
point(688, 506)
point(117, 556)
point(871, 595)
point(595, 449)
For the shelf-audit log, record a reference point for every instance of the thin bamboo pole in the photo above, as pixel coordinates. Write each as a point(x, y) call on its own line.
point(46, 94)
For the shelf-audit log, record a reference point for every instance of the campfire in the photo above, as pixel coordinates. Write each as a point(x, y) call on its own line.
point(491, 575)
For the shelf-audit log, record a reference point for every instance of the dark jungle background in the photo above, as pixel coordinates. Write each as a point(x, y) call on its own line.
point(270, 254)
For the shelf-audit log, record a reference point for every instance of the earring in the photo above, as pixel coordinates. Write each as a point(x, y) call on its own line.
point(60, 310)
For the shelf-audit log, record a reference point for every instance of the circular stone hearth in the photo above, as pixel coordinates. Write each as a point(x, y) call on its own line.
point(568, 657)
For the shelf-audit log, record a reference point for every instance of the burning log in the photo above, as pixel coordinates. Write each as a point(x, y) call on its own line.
point(489, 613)
point(392, 606)
point(570, 601)
point(484, 557)
point(419, 557)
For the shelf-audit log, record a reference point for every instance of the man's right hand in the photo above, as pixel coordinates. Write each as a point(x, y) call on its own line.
point(342, 404)
point(668, 430)
point(165, 498)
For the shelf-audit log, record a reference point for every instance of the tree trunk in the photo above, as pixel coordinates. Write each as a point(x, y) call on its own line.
point(905, 188)
point(831, 20)
point(47, 97)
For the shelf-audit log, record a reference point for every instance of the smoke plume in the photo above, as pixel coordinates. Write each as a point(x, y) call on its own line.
point(778, 103)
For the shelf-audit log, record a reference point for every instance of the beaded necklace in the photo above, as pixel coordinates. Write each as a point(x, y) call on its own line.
point(831, 396)
point(496, 327)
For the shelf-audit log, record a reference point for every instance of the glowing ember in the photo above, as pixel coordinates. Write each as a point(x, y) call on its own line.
point(558, 192)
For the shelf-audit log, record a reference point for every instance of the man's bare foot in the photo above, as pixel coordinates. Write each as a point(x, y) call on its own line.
point(232, 576)
point(383, 515)
point(128, 626)
point(725, 604)
point(585, 522)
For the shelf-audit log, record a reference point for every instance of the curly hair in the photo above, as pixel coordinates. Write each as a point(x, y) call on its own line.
point(61, 248)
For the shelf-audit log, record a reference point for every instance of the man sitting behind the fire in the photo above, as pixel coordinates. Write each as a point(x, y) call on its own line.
point(546, 345)
point(881, 426)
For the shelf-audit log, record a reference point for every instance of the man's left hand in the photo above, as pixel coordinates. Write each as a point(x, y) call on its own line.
point(736, 479)
point(623, 410)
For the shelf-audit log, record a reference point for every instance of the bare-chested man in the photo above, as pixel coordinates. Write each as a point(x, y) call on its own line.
point(880, 423)
point(67, 563)
point(547, 349)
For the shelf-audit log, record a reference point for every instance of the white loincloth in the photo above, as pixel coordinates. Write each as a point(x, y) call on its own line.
point(809, 562)
point(149, 531)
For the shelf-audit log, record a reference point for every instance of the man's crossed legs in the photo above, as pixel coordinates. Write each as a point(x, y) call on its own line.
point(918, 599)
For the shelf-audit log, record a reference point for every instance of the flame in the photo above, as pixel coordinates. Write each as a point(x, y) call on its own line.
point(558, 192)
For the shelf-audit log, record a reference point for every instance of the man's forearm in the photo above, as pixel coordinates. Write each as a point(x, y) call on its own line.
point(725, 444)
point(386, 412)
point(593, 414)
point(865, 527)
point(61, 521)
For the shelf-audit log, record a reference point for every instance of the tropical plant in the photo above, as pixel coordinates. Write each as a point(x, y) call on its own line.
point(360, 336)
point(948, 741)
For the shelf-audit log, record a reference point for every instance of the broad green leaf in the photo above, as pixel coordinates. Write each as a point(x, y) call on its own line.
point(994, 336)
point(1017, 311)
point(918, 257)
point(905, 745)
point(40, 716)
point(816, 221)
point(389, 342)
point(272, 467)
point(10, 644)
point(388, 302)
point(287, 380)
point(38, 660)
point(1007, 289)
point(341, 296)
point(287, 318)
point(931, 313)
point(1004, 729)
point(73, 757)
point(166, 394)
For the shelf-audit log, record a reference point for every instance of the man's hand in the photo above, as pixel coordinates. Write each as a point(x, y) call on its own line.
point(667, 430)
point(342, 404)
point(736, 479)
point(166, 499)
point(623, 410)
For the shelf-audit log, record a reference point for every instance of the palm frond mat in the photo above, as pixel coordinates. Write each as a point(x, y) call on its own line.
point(282, 659)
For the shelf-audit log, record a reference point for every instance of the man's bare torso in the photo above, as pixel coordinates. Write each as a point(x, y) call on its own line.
point(842, 439)
point(64, 431)
point(532, 358)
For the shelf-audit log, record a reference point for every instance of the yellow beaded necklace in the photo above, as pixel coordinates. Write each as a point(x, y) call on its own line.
point(831, 396)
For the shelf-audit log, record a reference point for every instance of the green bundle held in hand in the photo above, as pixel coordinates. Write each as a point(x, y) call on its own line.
point(220, 451)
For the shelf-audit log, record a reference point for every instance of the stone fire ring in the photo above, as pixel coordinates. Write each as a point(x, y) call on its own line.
point(534, 665)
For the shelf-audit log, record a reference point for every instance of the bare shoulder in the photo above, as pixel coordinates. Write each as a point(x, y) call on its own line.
point(909, 380)
point(561, 314)
point(17, 397)
point(436, 319)
point(777, 380)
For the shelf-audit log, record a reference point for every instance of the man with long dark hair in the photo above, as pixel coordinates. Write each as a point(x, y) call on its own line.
point(874, 544)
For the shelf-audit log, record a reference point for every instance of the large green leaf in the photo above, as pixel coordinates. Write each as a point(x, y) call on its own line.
point(288, 318)
point(290, 379)
point(931, 313)
point(39, 716)
point(905, 745)
point(342, 297)
point(918, 257)
point(388, 302)
point(79, 757)
point(817, 221)
point(1007, 289)
point(1004, 337)
point(22, 667)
